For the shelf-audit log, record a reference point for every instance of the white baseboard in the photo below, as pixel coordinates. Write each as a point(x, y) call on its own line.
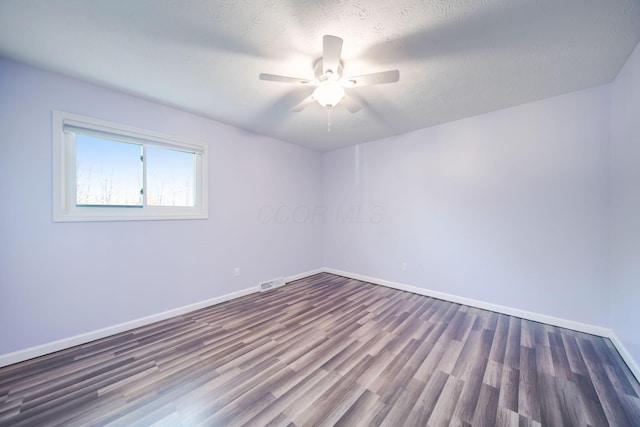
point(303, 275)
point(536, 317)
point(41, 350)
point(624, 353)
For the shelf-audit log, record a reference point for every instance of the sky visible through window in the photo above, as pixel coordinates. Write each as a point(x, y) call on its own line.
point(170, 177)
point(110, 173)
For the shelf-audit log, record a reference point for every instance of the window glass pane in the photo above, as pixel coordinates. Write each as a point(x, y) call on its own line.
point(170, 177)
point(108, 173)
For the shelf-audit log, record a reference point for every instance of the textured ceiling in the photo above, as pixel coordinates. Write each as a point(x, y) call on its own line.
point(457, 58)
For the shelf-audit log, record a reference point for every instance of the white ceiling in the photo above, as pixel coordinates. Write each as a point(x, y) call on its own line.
point(457, 58)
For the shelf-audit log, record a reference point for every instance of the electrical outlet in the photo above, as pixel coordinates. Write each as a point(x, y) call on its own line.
point(236, 272)
point(404, 266)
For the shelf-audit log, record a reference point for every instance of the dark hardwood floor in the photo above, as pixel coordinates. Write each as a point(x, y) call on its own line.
point(328, 350)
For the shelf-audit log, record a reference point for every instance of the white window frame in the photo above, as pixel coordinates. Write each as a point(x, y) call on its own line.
point(64, 172)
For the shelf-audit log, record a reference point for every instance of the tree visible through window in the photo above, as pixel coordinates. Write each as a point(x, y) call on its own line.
point(108, 173)
point(170, 176)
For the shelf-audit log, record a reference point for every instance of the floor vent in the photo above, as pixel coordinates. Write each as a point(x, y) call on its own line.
point(271, 284)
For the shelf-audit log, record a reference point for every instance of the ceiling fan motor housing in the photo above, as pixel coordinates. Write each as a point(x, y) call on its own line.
point(322, 77)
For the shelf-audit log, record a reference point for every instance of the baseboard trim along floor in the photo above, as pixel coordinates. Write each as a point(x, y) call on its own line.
point(523, 314)
point(51, 347)
point(41, 350)
point(536, 317)
point(330, 350)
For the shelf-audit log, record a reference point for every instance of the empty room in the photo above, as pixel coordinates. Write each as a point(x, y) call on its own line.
point(302, 213)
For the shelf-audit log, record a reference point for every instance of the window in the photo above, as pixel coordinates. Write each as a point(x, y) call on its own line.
point(109, 172)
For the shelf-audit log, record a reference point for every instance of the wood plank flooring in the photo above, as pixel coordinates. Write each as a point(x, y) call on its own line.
point(327, 350)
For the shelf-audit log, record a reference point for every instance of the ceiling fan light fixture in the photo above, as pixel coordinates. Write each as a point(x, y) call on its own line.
point(328, 81)
point(328, 95)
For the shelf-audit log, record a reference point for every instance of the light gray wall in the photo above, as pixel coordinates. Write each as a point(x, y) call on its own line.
point(58, 280)
point(510, 207)
point(625, 201)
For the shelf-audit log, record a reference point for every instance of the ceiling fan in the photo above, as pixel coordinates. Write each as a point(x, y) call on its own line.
point(328, 82)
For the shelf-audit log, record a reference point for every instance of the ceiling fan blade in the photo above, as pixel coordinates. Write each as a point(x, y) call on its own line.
point(284, 79)
point(302, 105)
point(331, 51)
point(351, 105)
point(391, 76)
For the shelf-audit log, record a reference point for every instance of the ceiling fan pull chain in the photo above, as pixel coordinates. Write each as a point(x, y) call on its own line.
point(328, 119)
